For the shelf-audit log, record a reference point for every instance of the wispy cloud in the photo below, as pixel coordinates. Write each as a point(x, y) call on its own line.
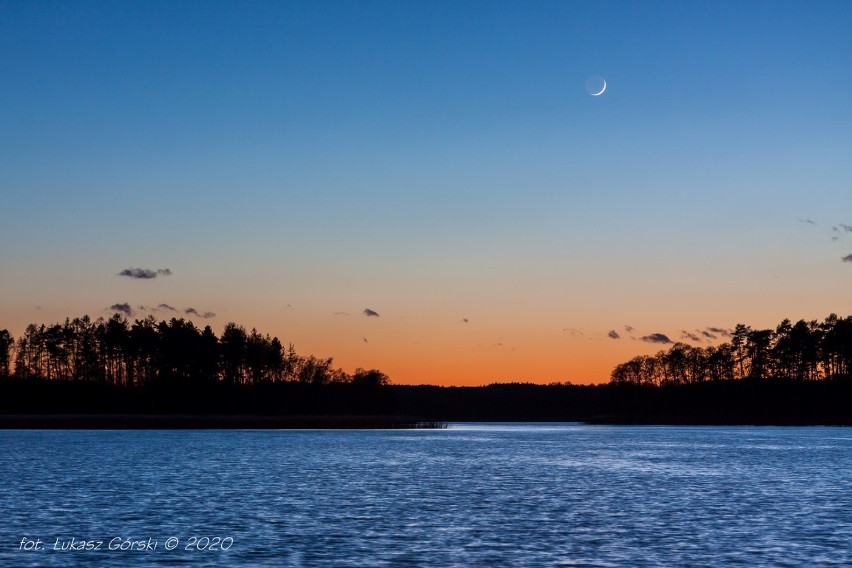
point(194, 312)
point(656, 338)
point(840, 230)
point(690, 336)
point(145, 273)
point(341, 314)
point(122, 309)
point(708, 335)
point(370, 313)
point(720, 330)
point(808, 221)
point(847, 258)
point(365, 340)
point(573, 331)
point(628, 328)
point(465, 320)
point(158, 308)
point(613, 334)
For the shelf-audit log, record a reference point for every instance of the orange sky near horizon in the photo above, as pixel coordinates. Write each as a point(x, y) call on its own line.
point(420, 336)
point(525, 327)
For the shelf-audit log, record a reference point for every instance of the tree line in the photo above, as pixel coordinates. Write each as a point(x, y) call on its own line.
point(804, 351)
point(115, 352)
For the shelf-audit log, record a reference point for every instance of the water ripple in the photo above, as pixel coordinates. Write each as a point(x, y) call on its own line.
point(472, 495)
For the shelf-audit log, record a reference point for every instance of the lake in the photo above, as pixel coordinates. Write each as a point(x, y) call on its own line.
point(470, 495)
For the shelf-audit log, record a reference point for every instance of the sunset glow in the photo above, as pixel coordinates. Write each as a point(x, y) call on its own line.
point(288, 166)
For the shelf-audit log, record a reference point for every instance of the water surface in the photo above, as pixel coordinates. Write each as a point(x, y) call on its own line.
point(471, 495)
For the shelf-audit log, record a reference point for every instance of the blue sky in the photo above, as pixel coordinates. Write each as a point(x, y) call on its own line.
point(439, 159)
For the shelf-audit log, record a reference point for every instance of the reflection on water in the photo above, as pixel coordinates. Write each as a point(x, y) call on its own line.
point(471, 495)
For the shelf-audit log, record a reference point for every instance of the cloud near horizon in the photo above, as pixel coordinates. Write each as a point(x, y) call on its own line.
point(145, 273)
point(123, 308)
point(656, 338)
point(370, 313)
point(847, 258)
point(194, 312)
point(613, 334)
point(720, 330)
point(690, 336)
point(628, 328)
point(158, 308)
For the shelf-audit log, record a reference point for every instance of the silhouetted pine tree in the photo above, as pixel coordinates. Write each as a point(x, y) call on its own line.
point(804, 351)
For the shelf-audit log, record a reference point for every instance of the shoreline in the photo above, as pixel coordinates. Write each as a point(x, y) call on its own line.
point(210, 422)
point(329, 422)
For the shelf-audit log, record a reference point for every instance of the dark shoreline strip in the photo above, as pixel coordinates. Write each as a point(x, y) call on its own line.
point(207, 422)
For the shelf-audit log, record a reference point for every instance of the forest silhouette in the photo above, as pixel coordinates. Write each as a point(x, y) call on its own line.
point(804, 351)
point(107, 371)
point(114, 352)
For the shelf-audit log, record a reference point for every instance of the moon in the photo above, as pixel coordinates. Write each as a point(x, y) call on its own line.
point(595, 85)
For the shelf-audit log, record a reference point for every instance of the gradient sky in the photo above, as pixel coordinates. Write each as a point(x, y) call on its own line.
point(295, 163)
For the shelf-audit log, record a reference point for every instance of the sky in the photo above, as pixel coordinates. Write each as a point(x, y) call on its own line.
point(427, 188)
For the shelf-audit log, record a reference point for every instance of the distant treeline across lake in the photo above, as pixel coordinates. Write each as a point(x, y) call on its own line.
point(103, 370)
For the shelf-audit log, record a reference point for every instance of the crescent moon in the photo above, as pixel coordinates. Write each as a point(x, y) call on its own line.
point(601, 91)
